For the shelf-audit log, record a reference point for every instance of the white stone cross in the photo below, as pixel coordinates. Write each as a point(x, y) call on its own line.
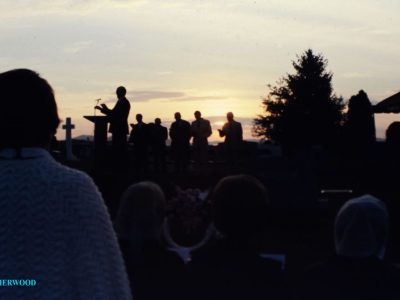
point(68, 126)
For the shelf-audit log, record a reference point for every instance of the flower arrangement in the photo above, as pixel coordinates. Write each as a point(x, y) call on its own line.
point(188, 214)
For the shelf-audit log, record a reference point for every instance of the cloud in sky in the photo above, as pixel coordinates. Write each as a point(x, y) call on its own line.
point(63, 7)
point(243, 120)
point(197, 98)
point(352, 75)
point(77, 47)
point(170, 96)
point(143, 96)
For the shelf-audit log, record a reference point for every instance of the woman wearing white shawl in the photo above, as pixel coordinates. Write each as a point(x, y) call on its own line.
point(358, 270)
point(55, 228)
point(362, 228)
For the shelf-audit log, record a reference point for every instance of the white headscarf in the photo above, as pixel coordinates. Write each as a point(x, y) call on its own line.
point(361, 228)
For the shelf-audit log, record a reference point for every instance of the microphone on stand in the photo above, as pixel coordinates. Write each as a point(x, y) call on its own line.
point(97, 103)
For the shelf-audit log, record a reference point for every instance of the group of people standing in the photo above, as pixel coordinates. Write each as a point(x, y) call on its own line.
point(153, 136)
point(181, 132)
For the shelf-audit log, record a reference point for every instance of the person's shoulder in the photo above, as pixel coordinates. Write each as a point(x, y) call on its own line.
point(78, 188)
point(68, 183)
point(66, 175)
point(59, 174)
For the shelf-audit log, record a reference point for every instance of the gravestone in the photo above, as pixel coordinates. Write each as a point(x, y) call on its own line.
point(68, 126)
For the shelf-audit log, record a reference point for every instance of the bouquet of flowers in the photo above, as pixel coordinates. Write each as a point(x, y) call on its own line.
point(188, 214)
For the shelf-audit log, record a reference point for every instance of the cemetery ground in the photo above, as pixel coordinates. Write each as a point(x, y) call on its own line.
point(305, 190)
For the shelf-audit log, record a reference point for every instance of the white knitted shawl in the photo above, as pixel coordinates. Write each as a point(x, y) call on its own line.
point(55, 229)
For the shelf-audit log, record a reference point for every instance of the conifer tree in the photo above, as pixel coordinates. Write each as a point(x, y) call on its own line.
point(301, 109)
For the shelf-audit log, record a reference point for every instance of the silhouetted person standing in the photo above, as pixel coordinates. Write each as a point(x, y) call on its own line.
point(200, 130)
point(180, 142)
point(139, 137)
point(359, 128)
point(233, 133)
point(387, 182)
point(118, 118)
point(159, 135)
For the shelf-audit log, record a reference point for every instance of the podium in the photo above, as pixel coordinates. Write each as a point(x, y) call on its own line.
point(100, 135)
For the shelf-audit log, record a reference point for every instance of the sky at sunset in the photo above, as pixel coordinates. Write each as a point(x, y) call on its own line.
point(212, 55)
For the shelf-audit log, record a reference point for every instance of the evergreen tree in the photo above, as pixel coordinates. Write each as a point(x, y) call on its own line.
point(302, 108)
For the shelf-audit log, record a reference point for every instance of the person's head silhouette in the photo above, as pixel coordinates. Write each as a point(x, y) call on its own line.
point(240, 205)
point(141, 212)
point(139, 118)
point(393, 134)
point(121, 92)
point(197, 115)
point(157, 121)
point(229, 116)
point(28, 114)
point(178, 116)
point(361, 228)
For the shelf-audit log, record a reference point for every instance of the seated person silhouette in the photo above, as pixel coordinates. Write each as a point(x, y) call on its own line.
point(231, 267)
point(358, 270)
point(55, 227)
point(154, 271)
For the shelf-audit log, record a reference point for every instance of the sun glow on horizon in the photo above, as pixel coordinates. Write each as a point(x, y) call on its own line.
point(210, 55)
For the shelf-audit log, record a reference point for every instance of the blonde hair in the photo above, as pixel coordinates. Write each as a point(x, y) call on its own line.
point(142, 211)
